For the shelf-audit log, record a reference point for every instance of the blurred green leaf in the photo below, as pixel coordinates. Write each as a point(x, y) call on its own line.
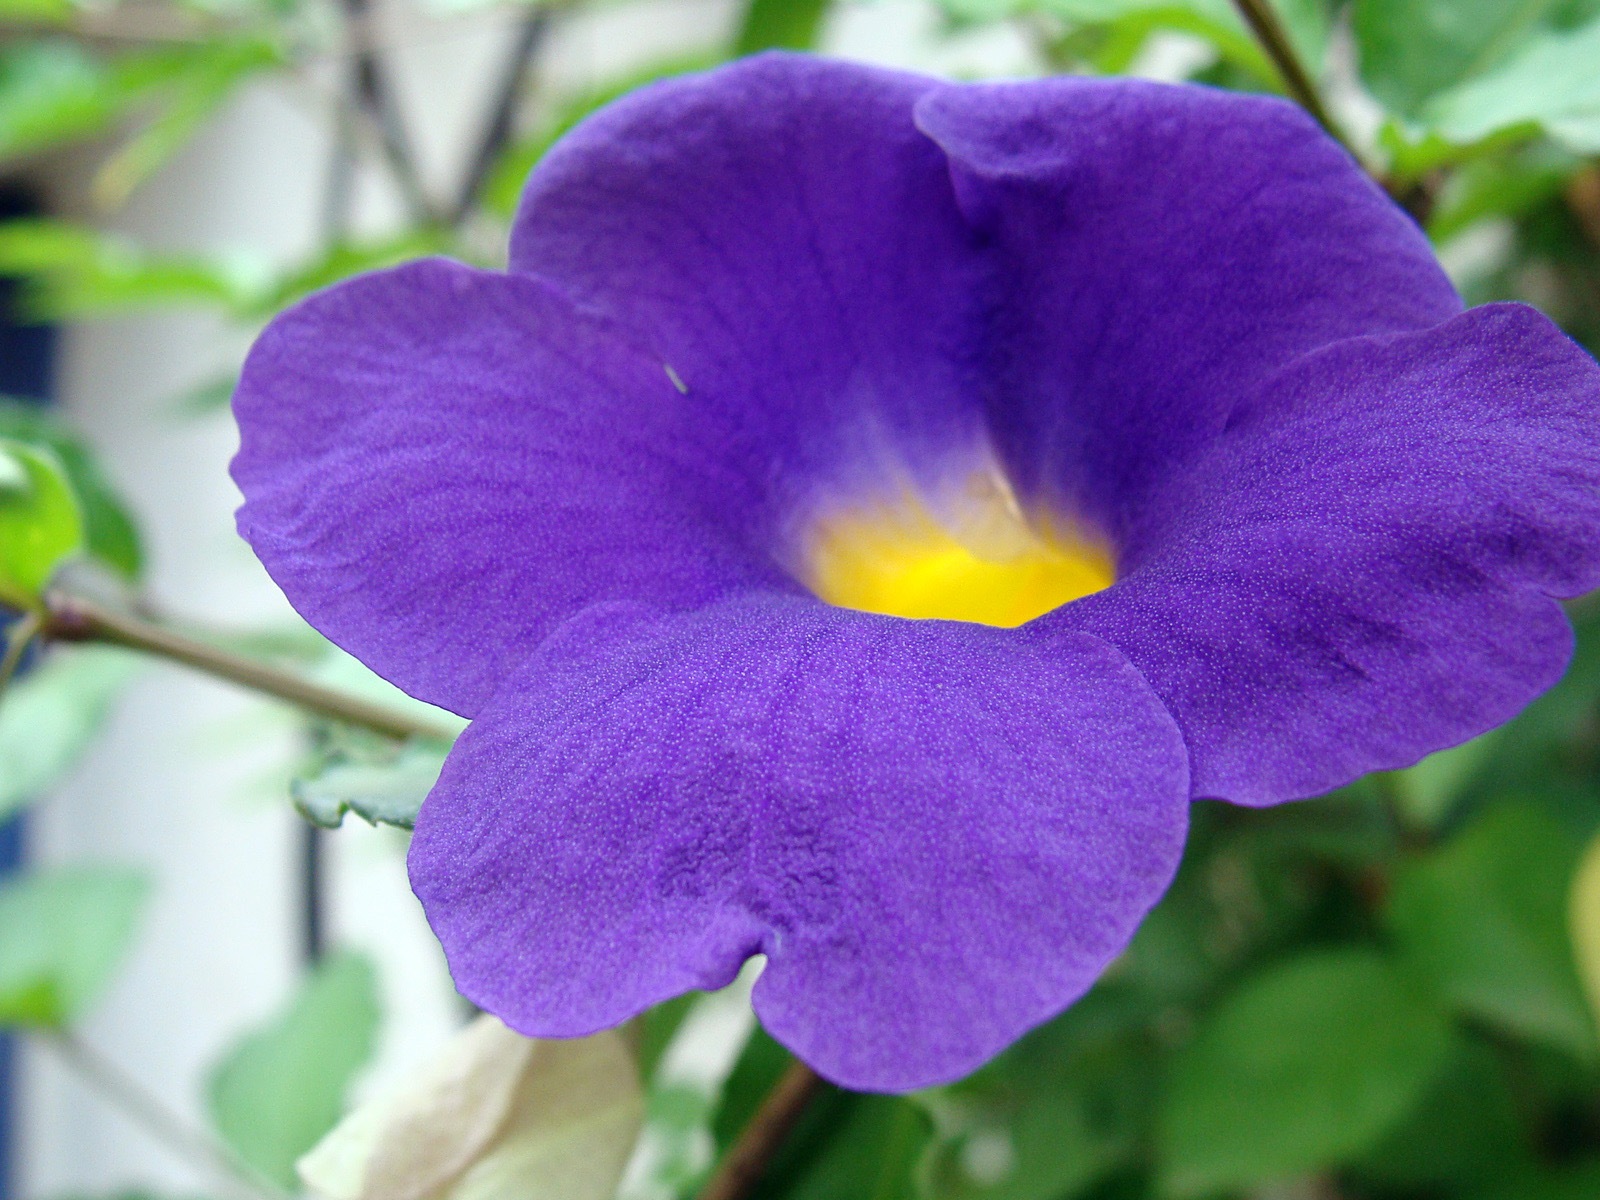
point(1548, 1183)
point(780, 25)
point(1465, 1132)
point(62, 933)
point(72, 270)
point(1307, 1064)
point(40, 523)
point(1426, 792)
point(109, 532)
point(1057, 1111)
point(1411, 50)
point(384, 786)
point(1551, 83)
point(1583, 917)
point(209, 74)
point(1484, 918)
point(341, 261)
point(48, 716)
point(275, 1095)
point(52, 91)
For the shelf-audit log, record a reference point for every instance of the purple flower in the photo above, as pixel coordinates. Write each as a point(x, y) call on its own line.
point(797, 331)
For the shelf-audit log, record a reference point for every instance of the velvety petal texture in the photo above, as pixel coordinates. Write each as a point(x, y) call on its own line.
point(1173, 327)
point(910, 819)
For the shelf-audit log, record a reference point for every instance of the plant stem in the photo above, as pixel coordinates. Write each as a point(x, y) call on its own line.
point(1274, 39)
point(18, 638)
point(748, 1158)
point(502, 116)
point(129, 1095)
point(73, 619)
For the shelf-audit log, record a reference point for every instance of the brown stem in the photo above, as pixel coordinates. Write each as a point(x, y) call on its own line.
point(502, 115)
point(1269, 31)
point(73, 619)
point(746, 1161)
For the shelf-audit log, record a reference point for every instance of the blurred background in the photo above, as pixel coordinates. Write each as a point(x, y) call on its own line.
point(1389, 992)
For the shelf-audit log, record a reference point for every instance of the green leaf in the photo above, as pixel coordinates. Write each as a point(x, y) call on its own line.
point(1583, 915)
point(52, 91)
point(275, 1095)
point(109, 531)
point(1426, 792)
point(1484, 918)
point(62, 933)
point(1059, 1110)
point(1551, 84)
point(73, 270)
point(1466, 1131)
point(1306, 1065)
point(48, 717)
point(780, 25)
point(385, 785)
point(209, 74)
point(1548, 1183)
point(1412, 50)
point(40, 524)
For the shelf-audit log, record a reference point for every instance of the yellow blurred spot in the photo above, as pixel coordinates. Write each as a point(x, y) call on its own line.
point(987, 563)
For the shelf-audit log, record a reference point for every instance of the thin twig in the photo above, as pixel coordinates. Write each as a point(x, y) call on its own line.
point(497, 132)
point(1274, 39)
point(129, 1095)
point(18, 638)
point(748, 1158)
point(376, 98)
point(73, 619)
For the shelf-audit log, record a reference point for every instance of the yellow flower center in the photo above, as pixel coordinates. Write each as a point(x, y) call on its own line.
point(986, 563)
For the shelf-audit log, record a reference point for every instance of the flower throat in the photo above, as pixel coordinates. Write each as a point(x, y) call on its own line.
point(987, 564)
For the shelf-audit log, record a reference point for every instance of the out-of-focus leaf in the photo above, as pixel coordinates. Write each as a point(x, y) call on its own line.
point(1411, 50)
point(1465, 1132)
point(1551, 83)
point(1583, 913)
point(52, 91)
point(1308, 1064)
point(504, 188)
point(109, 532)
point(780, 25)
point(495, 1116)
point(209, 76)
point(1484, 917)
point(72, 270)
point(1547, 1183)
point(1498, 186)
point(40, 523)
point(48, 716)
point(282, 1088)
point(1426, 792)
point(1053, 1114)
point(384, 787)
point(36, 12)
point(62, 933)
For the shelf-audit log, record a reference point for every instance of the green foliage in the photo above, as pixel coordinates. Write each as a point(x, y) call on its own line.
point(62, 933)
point(109, 532)
point(40, 524)
point(780, 24)
point(380, 782)
point(1549, 85)
point(49, 716)
point(1309, 1063)
point(283, 1087)
point(1484, 919)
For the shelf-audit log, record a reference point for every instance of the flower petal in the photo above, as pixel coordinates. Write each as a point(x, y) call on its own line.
point(1359, 570)
point(1160, 250)
point(439, 464)
point(780, 232)
point(938, 833)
